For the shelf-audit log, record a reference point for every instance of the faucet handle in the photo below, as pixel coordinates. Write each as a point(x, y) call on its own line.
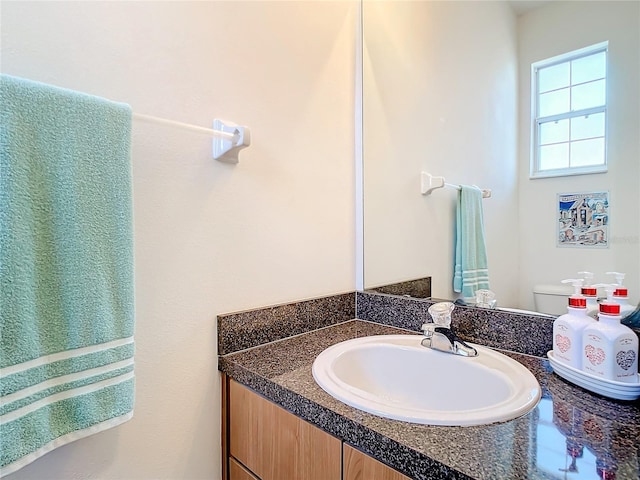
point(485, 298)
point(441, 313)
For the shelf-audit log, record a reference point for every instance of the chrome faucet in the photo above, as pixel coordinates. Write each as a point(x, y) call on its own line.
point(440, 336)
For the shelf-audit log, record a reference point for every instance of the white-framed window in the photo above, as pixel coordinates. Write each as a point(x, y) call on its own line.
point(569, 113)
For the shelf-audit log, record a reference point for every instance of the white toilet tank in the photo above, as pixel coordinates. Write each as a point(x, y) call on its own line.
point(551, 299)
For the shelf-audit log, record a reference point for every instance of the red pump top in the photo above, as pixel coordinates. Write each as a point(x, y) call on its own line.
point(610, 308)
point(578, 302)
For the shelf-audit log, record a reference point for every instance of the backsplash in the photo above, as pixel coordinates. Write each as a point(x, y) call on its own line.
point(240, 330)
point(418, 288)
point(527, 334)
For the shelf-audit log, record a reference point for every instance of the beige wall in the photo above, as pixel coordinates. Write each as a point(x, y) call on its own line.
point(439, 96)
point(557, 28)
point(210, 237)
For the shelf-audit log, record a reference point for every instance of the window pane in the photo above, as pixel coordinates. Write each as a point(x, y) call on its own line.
point(570, 117)
point(554, 102)
point(589, 68)
point(552, 78)
point(554, 156)
point(587, 153)
point(554, 132)
point(588, 95)
point(588, 126)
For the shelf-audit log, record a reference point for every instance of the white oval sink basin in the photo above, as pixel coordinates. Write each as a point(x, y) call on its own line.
point(394, 376)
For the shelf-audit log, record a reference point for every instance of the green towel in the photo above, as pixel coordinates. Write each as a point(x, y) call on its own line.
point(66, 268)
point(471, 269)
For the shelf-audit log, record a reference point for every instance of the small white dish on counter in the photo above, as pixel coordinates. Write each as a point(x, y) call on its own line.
point(604, 387)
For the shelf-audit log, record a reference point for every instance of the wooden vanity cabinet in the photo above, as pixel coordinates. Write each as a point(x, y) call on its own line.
point(275, 444)
point(238, 472)
point(262, 441)
point(359, 466)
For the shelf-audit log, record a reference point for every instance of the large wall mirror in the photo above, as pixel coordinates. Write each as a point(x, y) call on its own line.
point(446, 89)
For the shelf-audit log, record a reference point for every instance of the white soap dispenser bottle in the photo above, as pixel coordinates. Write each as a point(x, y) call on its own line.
point(590, 293)
point(568, 328)
point(610, 349)
point(621, 295)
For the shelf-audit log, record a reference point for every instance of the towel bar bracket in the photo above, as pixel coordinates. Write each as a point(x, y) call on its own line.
point(429, 183)
point(226, 149)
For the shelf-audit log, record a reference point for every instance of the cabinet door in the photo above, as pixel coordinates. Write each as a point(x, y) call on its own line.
point(358, 466)
point(238, 472)
point(275, 444)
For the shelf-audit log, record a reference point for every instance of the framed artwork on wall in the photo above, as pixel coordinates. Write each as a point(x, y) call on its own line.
point(583, 220)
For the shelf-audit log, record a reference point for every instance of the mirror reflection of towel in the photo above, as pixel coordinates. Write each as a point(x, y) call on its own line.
point(471, 270)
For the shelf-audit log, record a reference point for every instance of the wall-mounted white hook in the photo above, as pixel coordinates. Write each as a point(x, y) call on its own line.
point(429, 183)
point(225, 149)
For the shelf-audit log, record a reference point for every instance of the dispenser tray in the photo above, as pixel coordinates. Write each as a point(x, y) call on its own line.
point(607, 388)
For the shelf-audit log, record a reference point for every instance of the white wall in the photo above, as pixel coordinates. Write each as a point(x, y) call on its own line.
point(556, 28)
point(439, 96)
point(210, 237)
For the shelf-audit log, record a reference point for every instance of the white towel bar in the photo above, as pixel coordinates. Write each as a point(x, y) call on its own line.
point(228, 139)
point(429, 183)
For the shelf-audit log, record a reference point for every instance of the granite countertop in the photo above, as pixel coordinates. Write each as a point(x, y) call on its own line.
point(570, 434)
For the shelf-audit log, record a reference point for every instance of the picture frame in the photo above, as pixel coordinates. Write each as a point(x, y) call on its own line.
point(583, 220)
